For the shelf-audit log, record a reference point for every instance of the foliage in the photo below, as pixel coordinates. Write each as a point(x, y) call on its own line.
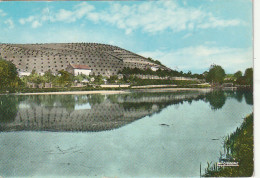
point(81, 77)
point(216, 74)
point(240, 144)
point(8, 75)
point(64, 78)
point(238, 74)
point(140, 82)
point(85, 88)
point(113, 79)
point(247, 79)
point(249, 76)
point(35, 78)
point(48, 76)
point(99, 80)
point(161, 73)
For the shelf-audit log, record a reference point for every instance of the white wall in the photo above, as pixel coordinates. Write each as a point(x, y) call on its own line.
point(81, 71)
point(24, 73)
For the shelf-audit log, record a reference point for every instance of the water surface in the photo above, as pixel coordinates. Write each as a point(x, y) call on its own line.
point(160, 134)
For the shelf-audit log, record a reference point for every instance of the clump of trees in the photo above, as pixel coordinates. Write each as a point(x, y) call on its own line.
point(64, 78)
point(215, 75)
point(247, 79)
point(10, 81)
point(239, 79)
point(9, 78)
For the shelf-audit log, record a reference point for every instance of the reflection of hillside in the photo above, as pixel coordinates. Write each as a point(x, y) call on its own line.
point(58, 113)
point(95, 112)
point(158, 101)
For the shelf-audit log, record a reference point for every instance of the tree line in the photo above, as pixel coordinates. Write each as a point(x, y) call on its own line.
point(159, 72)
point(216, 75)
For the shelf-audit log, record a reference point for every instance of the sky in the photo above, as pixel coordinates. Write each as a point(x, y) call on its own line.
point(185, 35)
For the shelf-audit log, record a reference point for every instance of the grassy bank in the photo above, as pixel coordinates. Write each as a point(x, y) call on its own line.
point(140, 82)
point(98, 88)
point(64, 89)
point(240, 146)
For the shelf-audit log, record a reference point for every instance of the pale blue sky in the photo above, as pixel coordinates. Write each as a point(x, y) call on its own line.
point(184, 35)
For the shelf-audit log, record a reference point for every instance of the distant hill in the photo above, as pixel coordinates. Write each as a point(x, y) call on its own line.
point(103, 59)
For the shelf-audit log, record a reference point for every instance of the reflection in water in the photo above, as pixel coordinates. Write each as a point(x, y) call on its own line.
point(216, 99)
point(96, 112)
point(8, 108)
point(184, 130)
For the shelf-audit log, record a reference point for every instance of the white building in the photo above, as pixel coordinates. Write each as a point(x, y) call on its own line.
point(21, 74)
point(77, 69)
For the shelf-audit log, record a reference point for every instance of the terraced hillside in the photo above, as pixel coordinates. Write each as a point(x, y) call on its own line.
point(103, 59)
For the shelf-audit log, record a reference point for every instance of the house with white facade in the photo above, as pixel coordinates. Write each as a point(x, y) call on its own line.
point(77, 69)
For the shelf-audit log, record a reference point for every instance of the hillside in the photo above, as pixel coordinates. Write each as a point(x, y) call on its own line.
point(103, 59)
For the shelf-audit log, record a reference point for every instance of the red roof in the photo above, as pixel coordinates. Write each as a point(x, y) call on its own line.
point(80, 66)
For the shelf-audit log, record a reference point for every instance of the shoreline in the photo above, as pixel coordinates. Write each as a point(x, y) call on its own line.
point(75, 92)
point(124, 91)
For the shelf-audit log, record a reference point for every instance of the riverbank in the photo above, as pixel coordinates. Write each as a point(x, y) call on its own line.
point(240, 146)
point(173, 89)
point(76, 92)
point(122, 91)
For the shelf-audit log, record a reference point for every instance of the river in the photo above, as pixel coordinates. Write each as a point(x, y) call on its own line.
point(137, 134)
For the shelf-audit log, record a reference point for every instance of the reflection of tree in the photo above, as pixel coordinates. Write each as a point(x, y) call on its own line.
point(49, 100)
point(68, 102)
point(239, 96)
point(96, 99)
point(113, 98)
point(249, 98)
point(81, 99)
point(216, 99)
point(8, 108)
point(57, 112)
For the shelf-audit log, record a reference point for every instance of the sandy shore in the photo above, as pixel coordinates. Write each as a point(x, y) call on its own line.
point(76, 92)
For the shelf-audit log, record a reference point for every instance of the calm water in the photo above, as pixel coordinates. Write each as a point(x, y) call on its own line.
point(160, 134)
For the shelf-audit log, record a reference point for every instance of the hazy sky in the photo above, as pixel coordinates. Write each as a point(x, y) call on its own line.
point(184, 34)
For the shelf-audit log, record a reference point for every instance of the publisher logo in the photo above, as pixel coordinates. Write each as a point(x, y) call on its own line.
point(226, 164)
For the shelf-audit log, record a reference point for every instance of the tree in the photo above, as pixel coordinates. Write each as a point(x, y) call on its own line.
point(8, 74)
point(113, 79)
point(35, 78)
point(216, 74)
point(238, 74)
point(99, 80)
point(48, 76)
point(65, 78)
point(80, 77)
point(189, 74)
point(249, 76)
